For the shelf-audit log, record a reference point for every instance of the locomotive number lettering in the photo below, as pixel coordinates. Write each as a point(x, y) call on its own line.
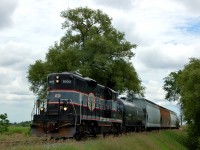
point(67, 81)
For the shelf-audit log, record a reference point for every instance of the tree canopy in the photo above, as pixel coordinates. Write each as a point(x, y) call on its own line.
point(94, 48)
point(170, 85)
point(186, 84)
point(189, 83)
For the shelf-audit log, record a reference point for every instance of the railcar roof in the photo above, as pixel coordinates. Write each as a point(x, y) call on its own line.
point(127, 103)
point(148, 101)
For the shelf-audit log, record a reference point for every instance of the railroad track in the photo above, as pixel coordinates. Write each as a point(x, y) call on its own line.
point(20, 142)
point(40, 141)
point(14, 143)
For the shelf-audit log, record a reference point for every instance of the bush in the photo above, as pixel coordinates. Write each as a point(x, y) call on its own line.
point(4, 122)
point(193, 139)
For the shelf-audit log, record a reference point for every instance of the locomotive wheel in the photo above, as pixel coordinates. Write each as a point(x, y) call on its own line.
point(78, 136)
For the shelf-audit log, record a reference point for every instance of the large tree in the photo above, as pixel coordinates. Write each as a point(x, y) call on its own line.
point(94, 48)
point(186, 83)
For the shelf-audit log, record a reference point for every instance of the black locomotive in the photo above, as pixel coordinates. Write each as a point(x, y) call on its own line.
point(76, 107)
point(79, 107)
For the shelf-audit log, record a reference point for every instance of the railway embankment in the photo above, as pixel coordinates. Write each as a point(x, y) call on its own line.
point(18, 138)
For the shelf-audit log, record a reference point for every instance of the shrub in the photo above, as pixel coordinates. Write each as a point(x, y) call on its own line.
point(193, 139)
point(4, 122)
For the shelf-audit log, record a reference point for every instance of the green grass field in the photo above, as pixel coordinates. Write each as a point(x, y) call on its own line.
point(162, 140)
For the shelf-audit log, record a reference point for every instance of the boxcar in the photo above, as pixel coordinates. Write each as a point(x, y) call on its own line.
point(165, 117)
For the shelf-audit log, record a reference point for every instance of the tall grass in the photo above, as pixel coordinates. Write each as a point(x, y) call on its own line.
point(18, 129)
point(163, 140)
point(15, 133)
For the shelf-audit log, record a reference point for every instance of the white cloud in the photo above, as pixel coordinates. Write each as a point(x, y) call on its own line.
point(167, 34)
point(6, 10)
point(116, 4)
point(15, 54)
point(192, 6)
point(154, 91)
point(167, 55)
point(17, 111)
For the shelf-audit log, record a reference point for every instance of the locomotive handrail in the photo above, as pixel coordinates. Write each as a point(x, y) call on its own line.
point(36, 106)
point(74, 111)
point(33, 110)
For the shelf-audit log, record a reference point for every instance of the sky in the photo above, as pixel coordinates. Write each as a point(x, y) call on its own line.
point(167, 33)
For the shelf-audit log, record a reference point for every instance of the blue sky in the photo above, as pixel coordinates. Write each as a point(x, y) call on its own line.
point(192, 26)
point(167, 34)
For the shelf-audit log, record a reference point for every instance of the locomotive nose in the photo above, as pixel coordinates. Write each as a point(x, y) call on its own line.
point(53, 107)
point(51, 127)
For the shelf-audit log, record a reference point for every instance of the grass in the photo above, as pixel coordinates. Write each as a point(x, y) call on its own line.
point(163, 140)
point(15, 133)
point(18, 129)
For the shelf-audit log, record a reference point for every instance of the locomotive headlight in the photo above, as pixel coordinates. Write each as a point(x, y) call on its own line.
point(41, 109)
point(65, 108)
point(57, 81)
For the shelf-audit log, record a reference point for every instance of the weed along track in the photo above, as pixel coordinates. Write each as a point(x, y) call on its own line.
point(20, 142)
point(43, 142)
point(38, 141)
point(48, 142)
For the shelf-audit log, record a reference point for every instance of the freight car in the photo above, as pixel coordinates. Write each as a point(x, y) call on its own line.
point(140, 114)
point(76, 107)
point(79, 107)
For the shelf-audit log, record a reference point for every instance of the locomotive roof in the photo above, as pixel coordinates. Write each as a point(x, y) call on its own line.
point(73, 74)
point(67, 73)
point(78, 75)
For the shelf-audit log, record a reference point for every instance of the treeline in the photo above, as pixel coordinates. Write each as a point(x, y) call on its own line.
point(23, 123)
point(184, 86)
